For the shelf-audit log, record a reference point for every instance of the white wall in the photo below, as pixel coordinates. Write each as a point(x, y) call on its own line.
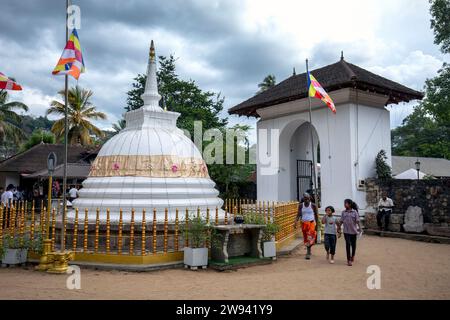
point(349, 142)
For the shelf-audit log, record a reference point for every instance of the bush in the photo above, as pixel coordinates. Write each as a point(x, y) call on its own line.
point(382, 168)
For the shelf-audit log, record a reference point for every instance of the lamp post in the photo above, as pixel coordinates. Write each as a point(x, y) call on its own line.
point(417, 163)
point(51, 164)
point(46, 262)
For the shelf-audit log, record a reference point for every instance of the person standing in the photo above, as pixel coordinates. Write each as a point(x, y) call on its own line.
point(385, 206)
point(309, 217)
point(8, 196)
point(350, 220)
point(330, 221)
point(73, 193)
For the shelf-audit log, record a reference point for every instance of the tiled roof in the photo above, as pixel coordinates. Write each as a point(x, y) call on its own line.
point(436, 167)
point(332, 77)
point(35, 158)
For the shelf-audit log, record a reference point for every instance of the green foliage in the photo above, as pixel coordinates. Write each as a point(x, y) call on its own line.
point(31, 123)
point(426, 132)
point(37, 137)
point(268, 82)
point(194, 104)
point(270, 230)
point(440, 23)
point(10, 121)
point(180, 96)
point(382, 168)
point(253, 218)
point(80, 113)
point(16, 242)
point(198, 232)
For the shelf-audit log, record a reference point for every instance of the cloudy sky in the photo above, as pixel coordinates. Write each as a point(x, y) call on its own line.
point(225, 46)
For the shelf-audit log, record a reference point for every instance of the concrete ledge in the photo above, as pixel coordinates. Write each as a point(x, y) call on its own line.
point(409, 236)
point(290, 247)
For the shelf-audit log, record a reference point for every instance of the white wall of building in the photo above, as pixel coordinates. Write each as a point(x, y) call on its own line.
point(349, 143)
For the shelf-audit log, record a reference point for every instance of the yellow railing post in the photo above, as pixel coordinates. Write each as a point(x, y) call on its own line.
point(143, 233)
point(75, 231)
point(97, 228)
point(154, 232)
point(86, 230)
point(166, 225)
point(186, 240)
point(176, 243)
point(1, 225)
point(217, 216)
point(53, 238)
point(32, 222)
point(119, 240)
point(132, 233)
point(13, 221)
point(108, 231)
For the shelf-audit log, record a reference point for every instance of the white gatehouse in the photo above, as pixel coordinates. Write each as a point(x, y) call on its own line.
point(345, 143)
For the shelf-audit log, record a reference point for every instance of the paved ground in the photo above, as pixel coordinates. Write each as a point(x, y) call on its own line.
point(409, 270)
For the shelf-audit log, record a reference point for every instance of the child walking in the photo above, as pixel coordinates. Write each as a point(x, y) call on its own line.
point(330, 228)
point(350, 221)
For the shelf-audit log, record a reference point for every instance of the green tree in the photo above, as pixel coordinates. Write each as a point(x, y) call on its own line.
point(382, 168)
point(426, 132)
point(80, 114)
point(268, 82)
point(37, 137)
point(181, 96)
point(119, 125)
point(440, 23)
point(31, 123)
point(10, 121)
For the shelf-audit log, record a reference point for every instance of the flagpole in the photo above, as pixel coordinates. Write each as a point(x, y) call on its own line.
point(66, 135)
point(316, 195)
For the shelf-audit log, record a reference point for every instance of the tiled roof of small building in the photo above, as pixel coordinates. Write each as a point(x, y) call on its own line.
point(332, 77)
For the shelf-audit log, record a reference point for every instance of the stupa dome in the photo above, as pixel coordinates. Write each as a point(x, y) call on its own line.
point(151, 164)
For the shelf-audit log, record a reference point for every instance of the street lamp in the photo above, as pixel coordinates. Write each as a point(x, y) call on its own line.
point(417, 163)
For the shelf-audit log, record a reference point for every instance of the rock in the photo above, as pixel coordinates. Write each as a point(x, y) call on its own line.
point(437, 230)
point(370, 220)
point(413, 219)
point(397, 218)
point(395, 227)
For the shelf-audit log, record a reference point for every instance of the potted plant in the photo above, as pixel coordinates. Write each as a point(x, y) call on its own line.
point(268, 240)
point(15, 249)
point(198, 233)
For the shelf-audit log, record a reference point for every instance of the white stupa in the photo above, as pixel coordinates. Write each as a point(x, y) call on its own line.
point(149, 165)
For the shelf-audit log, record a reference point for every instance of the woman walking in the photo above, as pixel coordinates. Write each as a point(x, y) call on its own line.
point(350, 221)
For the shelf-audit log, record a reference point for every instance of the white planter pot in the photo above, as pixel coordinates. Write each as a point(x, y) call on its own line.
point(269, 249)
point(196, 257)
point(15, 256)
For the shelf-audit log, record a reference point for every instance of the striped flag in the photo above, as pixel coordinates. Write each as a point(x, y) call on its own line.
point(8, 84)
point(71, 61)
point(316, 91)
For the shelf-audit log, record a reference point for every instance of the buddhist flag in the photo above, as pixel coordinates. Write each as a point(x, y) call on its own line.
point(316, 91)
point(71, 61)
point(8, 84)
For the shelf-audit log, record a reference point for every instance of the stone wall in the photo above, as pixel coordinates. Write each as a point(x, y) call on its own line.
point(432, 196)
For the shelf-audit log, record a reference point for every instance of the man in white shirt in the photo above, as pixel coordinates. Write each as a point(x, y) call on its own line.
point(7, 196)
point(385, 206)
point(73, 193)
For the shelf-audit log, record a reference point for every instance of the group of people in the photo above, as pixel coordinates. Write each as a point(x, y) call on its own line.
point(348, 224)
point(334, 226)
point(11, 193)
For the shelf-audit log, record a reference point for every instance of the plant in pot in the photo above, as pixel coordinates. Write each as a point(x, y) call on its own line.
point(198, 233)
point(15, 248)
point(268, 240)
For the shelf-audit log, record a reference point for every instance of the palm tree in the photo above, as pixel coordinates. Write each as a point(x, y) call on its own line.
point(120, 125)
point(80, 113)
point(268, 82)
point(9, 120)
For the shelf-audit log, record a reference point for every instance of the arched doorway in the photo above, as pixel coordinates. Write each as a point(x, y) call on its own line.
point(295, 158)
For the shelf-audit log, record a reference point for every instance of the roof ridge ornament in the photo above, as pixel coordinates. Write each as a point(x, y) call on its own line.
point(342, 55)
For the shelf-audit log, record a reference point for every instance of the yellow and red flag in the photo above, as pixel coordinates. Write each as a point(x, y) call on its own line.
point(315, 90)
point(8, 84)
point(71, 61)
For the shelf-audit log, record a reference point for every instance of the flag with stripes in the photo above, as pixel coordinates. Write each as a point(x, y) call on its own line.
point(71, 61)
